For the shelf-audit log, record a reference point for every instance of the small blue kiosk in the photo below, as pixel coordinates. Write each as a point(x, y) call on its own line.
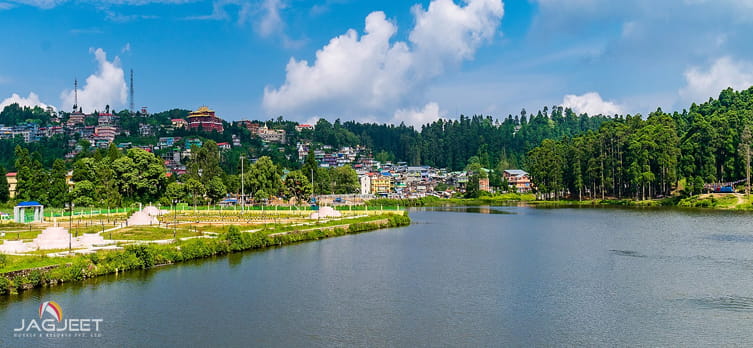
point(19, 212)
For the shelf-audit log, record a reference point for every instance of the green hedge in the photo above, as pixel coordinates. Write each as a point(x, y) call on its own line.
point(145, 256)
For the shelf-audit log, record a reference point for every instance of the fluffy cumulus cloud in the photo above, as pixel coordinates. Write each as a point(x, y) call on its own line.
point(417, 118)
point(105, 87)
point(447, 33)
point(723, 73)
point(369, 75)
point(591, 103)
point(31, 101)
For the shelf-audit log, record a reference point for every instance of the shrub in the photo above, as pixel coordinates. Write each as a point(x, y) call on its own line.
point(235, 239)
point(4, 285)
point(144, 253)
point(37, 278)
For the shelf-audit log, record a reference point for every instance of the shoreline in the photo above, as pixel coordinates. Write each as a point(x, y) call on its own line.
point(150, 255)
point(712, 201)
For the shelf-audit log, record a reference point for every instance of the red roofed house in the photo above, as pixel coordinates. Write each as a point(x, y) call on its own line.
point(301, 127)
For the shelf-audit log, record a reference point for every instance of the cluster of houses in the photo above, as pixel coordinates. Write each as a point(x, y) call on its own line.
point(403, 181)
point(265, 133)
point(101, 134)
point(377, 179)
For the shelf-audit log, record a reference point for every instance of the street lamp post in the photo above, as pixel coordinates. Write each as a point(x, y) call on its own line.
point(70, 227)
point(175, 219)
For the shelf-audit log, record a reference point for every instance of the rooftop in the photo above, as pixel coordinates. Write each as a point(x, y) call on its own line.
point(516, 172)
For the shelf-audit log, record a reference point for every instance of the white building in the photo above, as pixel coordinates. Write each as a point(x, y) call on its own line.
point(365, 184)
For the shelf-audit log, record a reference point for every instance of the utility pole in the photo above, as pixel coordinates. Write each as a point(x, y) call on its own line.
point(131, 91)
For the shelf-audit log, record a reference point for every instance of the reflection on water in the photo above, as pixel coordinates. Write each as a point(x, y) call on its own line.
point(732, 238)
point(458, 276)
point(628, 253)
point(727, 303)
point(476, 210)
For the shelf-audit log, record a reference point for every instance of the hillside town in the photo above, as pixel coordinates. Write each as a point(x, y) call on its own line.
point(376, 178)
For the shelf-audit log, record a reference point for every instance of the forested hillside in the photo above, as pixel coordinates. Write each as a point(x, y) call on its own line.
point(633, 157)
point(450, 143)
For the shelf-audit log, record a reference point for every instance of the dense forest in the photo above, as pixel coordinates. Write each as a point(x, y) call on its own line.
point(451, 143)
point(636, 157)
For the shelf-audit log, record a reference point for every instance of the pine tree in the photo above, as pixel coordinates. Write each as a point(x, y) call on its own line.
point(58, 189)
point(4, 188)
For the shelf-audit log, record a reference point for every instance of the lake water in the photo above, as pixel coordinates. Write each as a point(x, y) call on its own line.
point(500, 276)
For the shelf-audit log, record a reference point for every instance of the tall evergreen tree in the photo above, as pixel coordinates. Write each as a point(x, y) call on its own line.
point(58, 189)
point(4, 188)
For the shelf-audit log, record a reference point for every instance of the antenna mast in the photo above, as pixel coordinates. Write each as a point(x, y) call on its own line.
point(75, 94)
point(131, 91)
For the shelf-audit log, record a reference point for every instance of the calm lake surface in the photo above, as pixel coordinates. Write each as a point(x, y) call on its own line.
point(499, 276)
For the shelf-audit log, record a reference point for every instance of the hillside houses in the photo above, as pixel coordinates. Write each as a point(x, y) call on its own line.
point(519, 179)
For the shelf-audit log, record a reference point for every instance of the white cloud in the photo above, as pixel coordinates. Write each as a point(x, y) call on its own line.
point(219, 11)
point(417, 118)
point(105, 87)
point(356, 75)
point(126, 48)
point(31, 101)
point(270, 22)
point(448, 33)
point(44, 4)
point(724, 72)
point(48, 4)
point(591, 103)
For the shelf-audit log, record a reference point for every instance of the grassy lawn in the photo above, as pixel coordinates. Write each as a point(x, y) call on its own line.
point(224, 228)
point(148, 233)
point(15, 263)
point(277, 228)
point(88, 229)
point(719, 201)
point(14, 234)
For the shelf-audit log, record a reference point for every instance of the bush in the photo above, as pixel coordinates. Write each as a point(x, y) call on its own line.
point(36, 278)
point(144, 253)
point(4, 286)
point(194, 249)
point(236, 240)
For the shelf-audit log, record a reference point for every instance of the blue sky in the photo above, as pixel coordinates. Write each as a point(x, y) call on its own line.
point(384, 61)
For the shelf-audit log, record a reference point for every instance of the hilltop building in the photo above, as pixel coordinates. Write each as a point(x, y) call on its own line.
point(301, 127)
point(205, 119)
point(179, 123)
point(76, 117)
point(271, 135)
point(107, 119)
